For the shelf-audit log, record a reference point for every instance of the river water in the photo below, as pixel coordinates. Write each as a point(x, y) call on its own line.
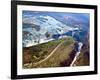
point(80, 44)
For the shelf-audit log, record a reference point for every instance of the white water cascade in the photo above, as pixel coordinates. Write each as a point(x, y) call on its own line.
point(80, 44)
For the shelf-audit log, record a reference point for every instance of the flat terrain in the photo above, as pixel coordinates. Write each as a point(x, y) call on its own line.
point(49, 54)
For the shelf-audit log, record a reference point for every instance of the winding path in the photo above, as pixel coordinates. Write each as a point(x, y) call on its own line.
point(49, 55)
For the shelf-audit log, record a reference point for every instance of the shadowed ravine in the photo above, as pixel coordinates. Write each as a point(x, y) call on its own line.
point(63, 55)
point(77, 53)
point(72, 55)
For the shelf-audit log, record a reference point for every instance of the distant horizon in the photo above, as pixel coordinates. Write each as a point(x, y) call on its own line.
point(40, 23)
point(85, 17)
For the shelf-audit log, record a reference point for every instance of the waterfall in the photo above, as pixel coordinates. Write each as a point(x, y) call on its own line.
point(80, 44)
